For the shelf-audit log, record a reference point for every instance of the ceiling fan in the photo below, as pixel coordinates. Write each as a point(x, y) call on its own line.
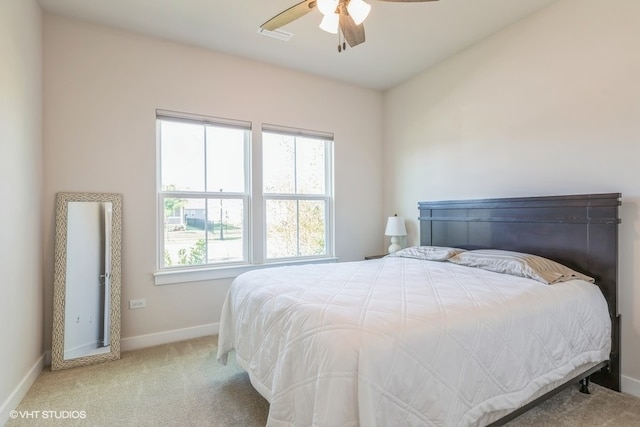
point(340, 16)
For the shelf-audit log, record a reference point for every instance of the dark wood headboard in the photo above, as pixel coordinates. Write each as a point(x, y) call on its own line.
point(579, 231)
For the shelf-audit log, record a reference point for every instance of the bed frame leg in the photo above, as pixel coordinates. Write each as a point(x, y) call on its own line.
point(584, 385)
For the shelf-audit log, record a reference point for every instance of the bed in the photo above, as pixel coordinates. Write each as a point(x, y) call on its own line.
point(430, 340)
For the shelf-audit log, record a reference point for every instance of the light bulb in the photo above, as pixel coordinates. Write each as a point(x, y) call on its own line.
point(327, 7)
point(358, 10)
point(330, 23)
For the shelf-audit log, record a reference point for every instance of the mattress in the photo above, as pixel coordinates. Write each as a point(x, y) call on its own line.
point(400, 341)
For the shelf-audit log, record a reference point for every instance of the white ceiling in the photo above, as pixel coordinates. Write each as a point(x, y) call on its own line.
point(403, 39)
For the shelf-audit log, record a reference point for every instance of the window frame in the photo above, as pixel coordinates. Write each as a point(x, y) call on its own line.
point(161, 194)
point(254, 217)
point(327, 197)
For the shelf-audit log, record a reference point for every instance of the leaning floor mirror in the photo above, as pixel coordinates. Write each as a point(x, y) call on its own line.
point(86, 288)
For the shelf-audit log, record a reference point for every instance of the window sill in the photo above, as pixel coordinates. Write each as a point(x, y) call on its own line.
point(227, 272)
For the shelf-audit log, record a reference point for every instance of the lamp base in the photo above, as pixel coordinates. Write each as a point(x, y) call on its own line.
point(395, 244)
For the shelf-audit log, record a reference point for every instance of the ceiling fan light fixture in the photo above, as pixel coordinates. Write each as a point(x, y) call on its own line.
point(343, 17)
point(358, 10)
point(327, 7)
point(330, 23)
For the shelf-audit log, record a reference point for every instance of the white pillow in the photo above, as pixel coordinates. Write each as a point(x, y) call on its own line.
point(428, 253)
point(519, 264)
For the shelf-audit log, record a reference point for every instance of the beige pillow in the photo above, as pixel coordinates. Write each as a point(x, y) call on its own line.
point(428, 253)
point(519, 264)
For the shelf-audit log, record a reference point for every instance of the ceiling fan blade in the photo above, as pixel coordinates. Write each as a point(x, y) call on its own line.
point(289, 15)
point(353, 34)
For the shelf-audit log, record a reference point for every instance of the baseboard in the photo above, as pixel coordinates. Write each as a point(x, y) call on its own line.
point(166, 337)
point(630, 385)
point(21, 390)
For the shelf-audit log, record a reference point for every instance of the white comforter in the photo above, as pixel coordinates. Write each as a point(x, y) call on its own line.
point(403, 342)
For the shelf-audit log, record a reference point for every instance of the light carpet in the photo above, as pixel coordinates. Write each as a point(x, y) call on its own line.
point(182, 384)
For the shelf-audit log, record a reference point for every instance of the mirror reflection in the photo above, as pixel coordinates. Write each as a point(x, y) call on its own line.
point(87, 279)
point(86, 314)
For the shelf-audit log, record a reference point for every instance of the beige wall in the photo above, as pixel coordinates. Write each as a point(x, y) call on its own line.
point(101, 89)
point(20, 191)
point(550, 105)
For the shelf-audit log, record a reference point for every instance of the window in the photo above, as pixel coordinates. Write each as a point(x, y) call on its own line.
point(297, 193)
point(207, 210)
point(203, 198)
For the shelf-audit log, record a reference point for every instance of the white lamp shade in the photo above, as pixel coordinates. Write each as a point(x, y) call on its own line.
point(358, 10)
point(330, 23)
point(327, 7)
point(395, 227)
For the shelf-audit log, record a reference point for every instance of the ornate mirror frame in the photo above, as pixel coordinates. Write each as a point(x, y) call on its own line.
point(60, 278)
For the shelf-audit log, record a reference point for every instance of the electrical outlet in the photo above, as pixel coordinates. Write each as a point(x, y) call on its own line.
point(134, 304)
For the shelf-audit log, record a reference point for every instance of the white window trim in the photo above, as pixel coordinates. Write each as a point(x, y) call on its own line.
point(170, 277)
point(328, 196)
point(245, 196)
point(255, 199)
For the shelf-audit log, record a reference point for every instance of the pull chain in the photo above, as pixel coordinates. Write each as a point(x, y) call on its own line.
point(342, 45)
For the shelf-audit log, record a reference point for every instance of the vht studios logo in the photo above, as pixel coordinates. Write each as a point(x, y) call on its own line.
point(43, 415)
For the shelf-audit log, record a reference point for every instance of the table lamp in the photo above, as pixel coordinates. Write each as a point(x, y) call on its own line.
point(395, 229)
